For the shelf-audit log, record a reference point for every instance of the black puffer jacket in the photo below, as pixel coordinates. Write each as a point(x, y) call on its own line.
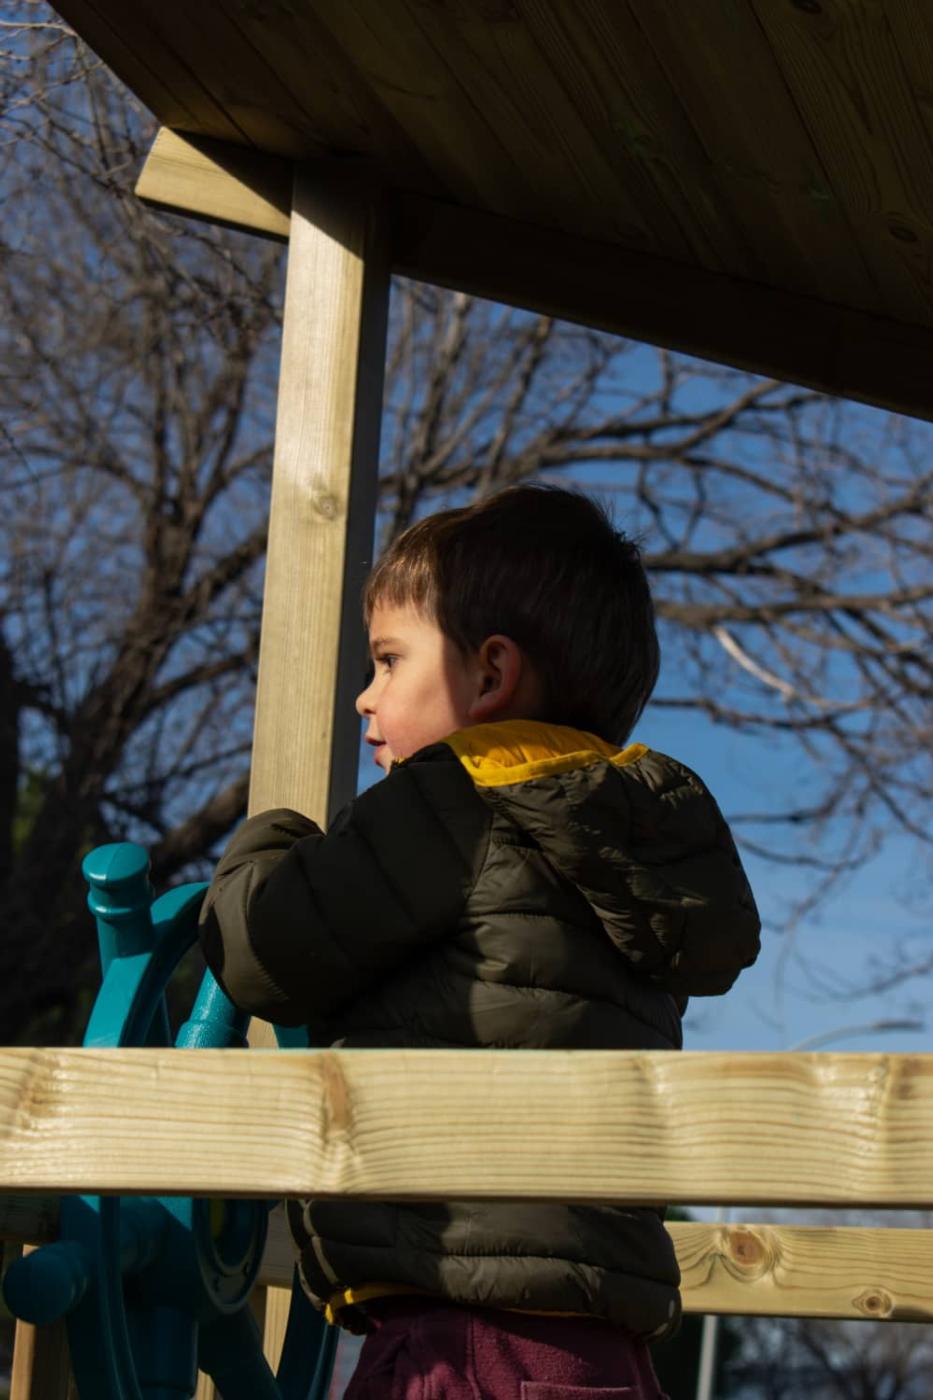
point(518, 885)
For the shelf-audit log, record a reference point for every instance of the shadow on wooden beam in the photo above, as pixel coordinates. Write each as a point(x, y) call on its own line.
point(835, 349)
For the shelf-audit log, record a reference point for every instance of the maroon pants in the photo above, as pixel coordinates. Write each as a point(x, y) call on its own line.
point(422, 1349)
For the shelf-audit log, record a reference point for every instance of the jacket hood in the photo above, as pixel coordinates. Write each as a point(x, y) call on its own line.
point(640, 837)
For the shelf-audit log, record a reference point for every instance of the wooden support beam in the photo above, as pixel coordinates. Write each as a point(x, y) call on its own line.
point(41, 1368)
point(220, 182)
point(322, 515)
point(832, 348)
point(837, 349)
point(805, 1129)
point(312, 655)
point(768, 1270)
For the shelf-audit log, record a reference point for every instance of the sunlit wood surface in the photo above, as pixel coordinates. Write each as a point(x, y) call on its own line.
point(883, 1275)
point(573, 1125)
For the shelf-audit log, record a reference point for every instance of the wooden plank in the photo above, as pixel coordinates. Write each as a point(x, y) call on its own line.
point(752, 326)
point(792, 1271)
point(912, 27)
point(768, 1270)
point(218, 181)
point(459, 142)
point(843, 69)
point(275, 1323)
point(322, 517)
point(312, 656)
point(41, 1368)
point(203, 40)
point(341, 110)
point(746, 324)
point(806, 1129)
point(172, 90)
point(756, 155)
point(511, 85)
point(601, 59)
point(773, 1270)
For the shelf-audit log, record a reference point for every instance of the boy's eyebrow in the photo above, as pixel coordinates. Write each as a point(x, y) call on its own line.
point(384, 642)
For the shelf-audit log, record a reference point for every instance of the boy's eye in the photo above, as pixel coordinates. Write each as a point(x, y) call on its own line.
point(388, 660)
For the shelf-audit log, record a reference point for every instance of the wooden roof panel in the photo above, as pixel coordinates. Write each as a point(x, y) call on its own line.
point(762, 163)
point(844, 70)
point(783, 143)
point(341, 111)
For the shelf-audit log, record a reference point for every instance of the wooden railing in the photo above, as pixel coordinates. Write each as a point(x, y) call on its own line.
point(749, 1130)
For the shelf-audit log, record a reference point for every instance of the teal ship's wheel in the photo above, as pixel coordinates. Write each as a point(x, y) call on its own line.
point(155, 1288)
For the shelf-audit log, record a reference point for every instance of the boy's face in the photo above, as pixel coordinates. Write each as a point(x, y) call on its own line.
point(423, 688)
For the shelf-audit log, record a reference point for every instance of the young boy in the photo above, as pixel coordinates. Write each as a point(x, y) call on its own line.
point(517, 880)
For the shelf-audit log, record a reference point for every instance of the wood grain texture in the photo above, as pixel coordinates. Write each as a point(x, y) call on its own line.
point(460, 143)
point(737, 1129)
point(218, 181)
point(509, 83)
point(203, 39)
point(844, 71)
point(792, 1271)
point(312, 653)
point(773, 1270)
point(150, 67)
point(601, 60)
point(758, 160)
point(341, 110)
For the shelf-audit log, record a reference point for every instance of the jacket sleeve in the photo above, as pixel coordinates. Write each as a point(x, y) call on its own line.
point(297, 924)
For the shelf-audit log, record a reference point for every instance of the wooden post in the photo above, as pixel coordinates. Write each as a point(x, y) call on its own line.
point(321, 527)
point(41, 1367)
point(312, 653)
point(312, 656)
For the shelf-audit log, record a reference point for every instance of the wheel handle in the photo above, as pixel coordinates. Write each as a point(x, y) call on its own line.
point(154, 1287)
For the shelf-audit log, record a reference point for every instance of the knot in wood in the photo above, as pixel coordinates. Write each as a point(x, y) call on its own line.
point(326, 504)
point(874, 1302)
point(750, 1253)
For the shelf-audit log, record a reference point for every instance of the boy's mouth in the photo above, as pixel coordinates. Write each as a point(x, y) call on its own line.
point(378, 745)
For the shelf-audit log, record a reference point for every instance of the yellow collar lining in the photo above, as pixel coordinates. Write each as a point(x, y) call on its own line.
point(517, 751)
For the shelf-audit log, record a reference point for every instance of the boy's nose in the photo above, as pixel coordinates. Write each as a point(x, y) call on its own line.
point(363, 706)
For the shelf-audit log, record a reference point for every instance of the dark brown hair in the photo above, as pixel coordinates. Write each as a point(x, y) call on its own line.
point(548, 568)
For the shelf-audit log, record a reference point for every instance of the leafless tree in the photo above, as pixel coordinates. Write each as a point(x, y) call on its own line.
point(783, 1358)
point(784, 531)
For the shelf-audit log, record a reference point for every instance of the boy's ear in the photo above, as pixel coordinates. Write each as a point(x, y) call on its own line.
point(501, 677)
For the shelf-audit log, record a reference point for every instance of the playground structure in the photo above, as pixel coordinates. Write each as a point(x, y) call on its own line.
point(810, 266)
